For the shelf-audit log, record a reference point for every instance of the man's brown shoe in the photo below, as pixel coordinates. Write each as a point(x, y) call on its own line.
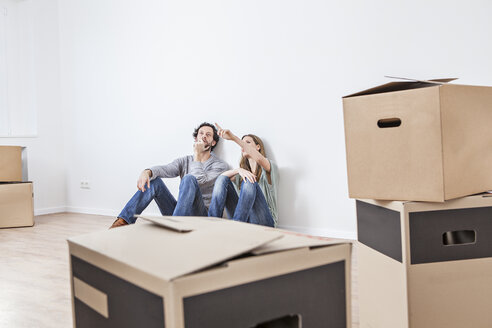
point(118, 223)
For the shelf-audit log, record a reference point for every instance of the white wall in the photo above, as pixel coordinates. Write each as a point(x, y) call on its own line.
point(18, 115)
point(137, 77)
point(46, 159)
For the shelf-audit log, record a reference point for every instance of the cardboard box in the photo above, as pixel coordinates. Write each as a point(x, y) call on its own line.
point(208, 272)
point(425, 265)
point(16, 205)
point(418, 140)
point(13, 164)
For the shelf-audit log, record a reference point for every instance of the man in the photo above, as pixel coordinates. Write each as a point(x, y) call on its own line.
point(198, 173)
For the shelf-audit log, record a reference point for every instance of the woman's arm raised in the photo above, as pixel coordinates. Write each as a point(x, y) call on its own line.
point(250, 149)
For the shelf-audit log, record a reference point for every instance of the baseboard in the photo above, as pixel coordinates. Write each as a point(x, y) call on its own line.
point(108, 212)
point(99, 211)
point(323, 232)
point(50, 210)
point(94, 211)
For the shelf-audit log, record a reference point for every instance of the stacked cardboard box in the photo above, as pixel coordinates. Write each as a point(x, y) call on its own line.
point(417, 152)
point(208, 273)
point(16, 198)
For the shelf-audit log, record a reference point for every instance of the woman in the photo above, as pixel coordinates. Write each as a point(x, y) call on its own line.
point(249, 192)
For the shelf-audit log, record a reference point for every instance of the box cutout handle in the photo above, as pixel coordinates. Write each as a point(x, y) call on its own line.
point(389, 122)
point(288, 321)
point(459, 237)
point(92, 297)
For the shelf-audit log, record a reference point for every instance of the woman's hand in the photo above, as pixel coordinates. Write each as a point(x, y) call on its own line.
point(224, 133)
point(246, 175)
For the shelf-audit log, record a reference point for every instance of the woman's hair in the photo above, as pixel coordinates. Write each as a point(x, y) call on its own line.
point(244, 163)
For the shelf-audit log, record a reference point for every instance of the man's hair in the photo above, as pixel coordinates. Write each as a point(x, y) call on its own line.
point(216, 136)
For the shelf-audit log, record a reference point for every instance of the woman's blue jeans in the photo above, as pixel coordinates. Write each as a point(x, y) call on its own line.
point(250, 206)
point(190, 201)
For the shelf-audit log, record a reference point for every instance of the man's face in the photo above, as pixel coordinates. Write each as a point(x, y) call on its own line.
point(206, 135)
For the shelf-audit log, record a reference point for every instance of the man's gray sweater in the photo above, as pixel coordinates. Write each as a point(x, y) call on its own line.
point(205, 173)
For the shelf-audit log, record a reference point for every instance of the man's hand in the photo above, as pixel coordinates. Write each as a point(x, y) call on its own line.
point(224, 133)
point(144, 180)
point(199, 147)
point(246, 175)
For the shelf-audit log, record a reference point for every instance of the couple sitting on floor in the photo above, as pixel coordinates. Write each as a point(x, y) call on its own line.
point(248, 193)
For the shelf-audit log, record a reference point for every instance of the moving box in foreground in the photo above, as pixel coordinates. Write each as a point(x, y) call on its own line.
point(425, 265)
point(419, 141)
point(198, 272)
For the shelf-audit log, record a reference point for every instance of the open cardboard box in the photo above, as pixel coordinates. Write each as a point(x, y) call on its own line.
point(418, 140)
point(208, 272)
point(425, 265)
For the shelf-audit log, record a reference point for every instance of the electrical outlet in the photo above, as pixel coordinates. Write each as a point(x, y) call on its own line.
point(85, 184)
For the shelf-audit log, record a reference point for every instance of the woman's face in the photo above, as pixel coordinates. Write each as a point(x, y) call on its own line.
point(250, 141)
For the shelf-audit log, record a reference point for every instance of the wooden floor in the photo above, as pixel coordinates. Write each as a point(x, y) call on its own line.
point(34, 276)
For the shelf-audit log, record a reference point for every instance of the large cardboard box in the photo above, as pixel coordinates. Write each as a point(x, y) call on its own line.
point(16, 205)
point(208, 272)
point(418, 140)
point(425, 265)
point(12, 164)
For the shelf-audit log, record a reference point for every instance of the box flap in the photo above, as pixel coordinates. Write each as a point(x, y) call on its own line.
point(292, 240)
point(167, 253)
point(407, 84)
point(438, 81)
point(169, 222)
point(446, 80)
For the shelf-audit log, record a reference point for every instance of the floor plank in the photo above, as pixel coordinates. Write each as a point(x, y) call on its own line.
point(34, 276)
point(34, 272)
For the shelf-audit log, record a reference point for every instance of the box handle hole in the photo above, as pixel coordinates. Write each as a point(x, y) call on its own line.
point(389, 122)
point(459, 237)
point(288, 321)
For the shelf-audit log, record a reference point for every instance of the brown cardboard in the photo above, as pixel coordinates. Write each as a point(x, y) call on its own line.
point(436, 292)
point(16, 205)
point(382, 290)
point(205, 244)
point(440, 150)
point(97, 300)
point(10, 163)
point(200, 275)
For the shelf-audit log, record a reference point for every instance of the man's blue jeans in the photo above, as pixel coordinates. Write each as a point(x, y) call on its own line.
point(250, 206)
point(190, 201)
